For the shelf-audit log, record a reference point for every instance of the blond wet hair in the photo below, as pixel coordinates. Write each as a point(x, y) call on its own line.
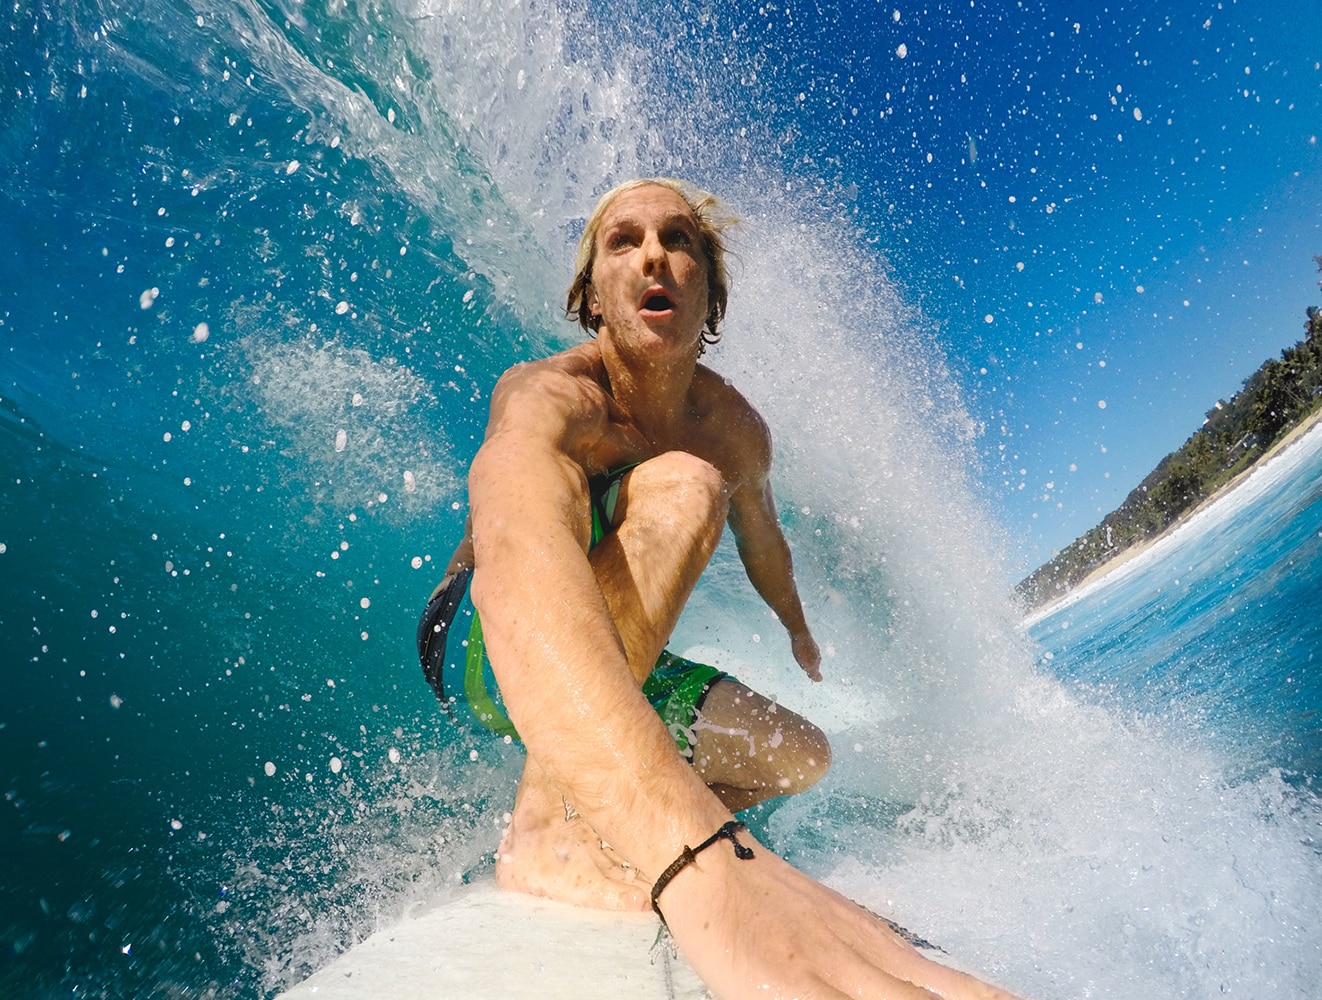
point(713, 218)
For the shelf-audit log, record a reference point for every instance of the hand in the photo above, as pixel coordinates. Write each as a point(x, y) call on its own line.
point(759, 929)
point(807, 654)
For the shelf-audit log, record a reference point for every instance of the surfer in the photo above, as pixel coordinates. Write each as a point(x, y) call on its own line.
point(614, 808)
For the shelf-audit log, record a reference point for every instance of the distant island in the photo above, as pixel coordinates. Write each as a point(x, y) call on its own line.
point(1277, 398)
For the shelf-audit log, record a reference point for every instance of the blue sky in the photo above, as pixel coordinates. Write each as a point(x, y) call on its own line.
point(1109, 213)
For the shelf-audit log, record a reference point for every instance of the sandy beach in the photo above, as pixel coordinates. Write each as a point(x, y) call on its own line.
point(1101, 572)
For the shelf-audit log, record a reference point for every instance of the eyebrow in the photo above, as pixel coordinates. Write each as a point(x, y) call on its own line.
point(668, 220)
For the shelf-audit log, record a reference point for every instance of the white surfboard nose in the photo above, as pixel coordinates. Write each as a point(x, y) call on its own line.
point(486, 944)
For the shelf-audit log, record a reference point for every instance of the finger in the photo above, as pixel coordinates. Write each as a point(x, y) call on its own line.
point(884, 946)
point(943, 981)
point(861, 978)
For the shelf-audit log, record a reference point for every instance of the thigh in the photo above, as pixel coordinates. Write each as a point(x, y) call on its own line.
point(746, 740)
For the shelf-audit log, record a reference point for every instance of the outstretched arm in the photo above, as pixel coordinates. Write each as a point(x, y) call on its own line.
point(559, 659)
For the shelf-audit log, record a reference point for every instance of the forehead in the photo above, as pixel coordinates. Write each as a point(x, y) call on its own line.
point(649, 204)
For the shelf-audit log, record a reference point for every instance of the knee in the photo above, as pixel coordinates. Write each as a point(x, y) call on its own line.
point(682, 471)
point(817, 761)
point(810, 760)
point(685, 483)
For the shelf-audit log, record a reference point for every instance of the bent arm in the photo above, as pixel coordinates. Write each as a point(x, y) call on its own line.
point(766, 557)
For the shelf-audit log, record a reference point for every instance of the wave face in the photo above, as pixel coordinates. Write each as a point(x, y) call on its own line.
point(263, 263)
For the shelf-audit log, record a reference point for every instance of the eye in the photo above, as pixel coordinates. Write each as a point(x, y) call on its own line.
point(679, 238)
point(619, 240)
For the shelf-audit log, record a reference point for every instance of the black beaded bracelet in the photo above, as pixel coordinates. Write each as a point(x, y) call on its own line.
point(690, 855)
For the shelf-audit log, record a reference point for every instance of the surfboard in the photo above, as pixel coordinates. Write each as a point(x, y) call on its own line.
point(485, 943)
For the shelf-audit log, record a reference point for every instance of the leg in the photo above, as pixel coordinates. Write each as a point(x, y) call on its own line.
point(668, 521)
point(750, 749)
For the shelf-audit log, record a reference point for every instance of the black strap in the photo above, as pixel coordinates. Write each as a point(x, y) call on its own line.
point(690, 855)
point(435, 626)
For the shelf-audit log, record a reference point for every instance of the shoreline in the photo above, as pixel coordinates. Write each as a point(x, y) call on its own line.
point(1099, 573)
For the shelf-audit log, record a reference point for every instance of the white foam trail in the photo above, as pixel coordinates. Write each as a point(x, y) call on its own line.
point(1100, 858)
point(356, 423)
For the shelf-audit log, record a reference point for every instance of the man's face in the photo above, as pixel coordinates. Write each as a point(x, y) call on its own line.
point(649, 278)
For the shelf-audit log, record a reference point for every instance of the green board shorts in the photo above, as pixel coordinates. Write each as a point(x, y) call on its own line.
point(676, 686)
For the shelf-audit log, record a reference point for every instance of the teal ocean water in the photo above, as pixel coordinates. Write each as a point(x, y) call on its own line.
point(1214, 626)
point(262, 264)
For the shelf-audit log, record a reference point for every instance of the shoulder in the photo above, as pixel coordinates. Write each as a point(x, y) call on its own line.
point(743, 433)
point(559, 406)
point(565, 368)
point(566, 382)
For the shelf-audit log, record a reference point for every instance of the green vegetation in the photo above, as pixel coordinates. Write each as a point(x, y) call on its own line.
point(1276, 398)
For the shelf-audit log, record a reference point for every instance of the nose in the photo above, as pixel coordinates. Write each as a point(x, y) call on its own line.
point(653, 253)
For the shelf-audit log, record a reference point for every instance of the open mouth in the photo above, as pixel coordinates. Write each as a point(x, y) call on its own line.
point(658, 302)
